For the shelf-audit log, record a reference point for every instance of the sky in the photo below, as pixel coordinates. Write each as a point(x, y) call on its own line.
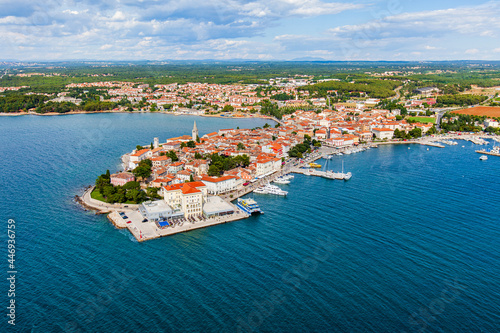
point(51, 30)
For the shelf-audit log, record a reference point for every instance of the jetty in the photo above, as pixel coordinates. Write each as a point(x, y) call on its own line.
point(492, 153)
point(323, 174)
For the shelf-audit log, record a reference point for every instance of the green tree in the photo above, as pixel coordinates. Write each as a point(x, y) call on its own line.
point(143, 170)
point(152, 192)
point(172, 155)
point(416, 132)
point(132, 185)
point(101, 182)
point(214, 170)
point(432, 130)
point(108, 192)
point(240, 146)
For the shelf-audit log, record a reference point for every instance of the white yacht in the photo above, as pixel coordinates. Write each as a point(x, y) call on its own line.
point(281, 180)
point(270, 189)
point(260, 190)
point(483, 158)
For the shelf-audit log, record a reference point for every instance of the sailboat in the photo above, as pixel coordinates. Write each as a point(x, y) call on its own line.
point(346, 176)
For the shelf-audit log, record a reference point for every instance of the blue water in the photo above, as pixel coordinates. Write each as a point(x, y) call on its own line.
point(409, 244)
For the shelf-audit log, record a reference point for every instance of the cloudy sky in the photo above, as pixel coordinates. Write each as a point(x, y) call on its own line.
point(241, 29)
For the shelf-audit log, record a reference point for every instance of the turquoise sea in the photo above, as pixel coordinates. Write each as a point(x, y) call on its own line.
point(409, 244)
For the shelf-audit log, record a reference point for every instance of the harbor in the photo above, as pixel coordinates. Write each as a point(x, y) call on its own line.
point(129, 216)
point(495, 151)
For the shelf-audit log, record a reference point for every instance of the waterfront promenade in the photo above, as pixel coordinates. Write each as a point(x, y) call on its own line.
point(103, 207)
point(145, 231)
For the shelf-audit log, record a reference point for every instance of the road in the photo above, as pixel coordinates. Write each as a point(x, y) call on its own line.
point(398, 95)
point(440, 112)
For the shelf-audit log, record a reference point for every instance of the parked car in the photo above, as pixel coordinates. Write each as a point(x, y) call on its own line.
point(245, 184)
point(124, 217)
point(129, 221)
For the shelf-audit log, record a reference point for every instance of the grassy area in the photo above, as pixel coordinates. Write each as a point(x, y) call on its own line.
point(424, 119)
point(97, 195)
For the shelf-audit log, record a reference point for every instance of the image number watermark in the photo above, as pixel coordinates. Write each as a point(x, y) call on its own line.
point(11, 272)
point(422, 320)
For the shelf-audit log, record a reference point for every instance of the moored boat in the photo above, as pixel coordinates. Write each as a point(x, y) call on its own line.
point(249, 206)
point(270, 189)
point(281, 180)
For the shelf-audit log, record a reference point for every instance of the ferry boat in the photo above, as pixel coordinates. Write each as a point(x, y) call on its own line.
point(249, 206)
point(315, 165)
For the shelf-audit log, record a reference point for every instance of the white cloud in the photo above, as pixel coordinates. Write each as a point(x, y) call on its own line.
point(118, 16)
point(315, 7)
point(472, 51)
point(463, 20)
point(195, 29)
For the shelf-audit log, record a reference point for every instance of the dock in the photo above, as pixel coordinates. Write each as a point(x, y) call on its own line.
point(487, 153)
point(432, 144)
point(323, 174)
point(146, 231)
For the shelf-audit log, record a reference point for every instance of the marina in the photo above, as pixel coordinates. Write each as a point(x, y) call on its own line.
point(495, 151)
point(243, 208)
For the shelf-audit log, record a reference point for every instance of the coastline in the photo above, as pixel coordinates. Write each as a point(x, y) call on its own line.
point(242, 116)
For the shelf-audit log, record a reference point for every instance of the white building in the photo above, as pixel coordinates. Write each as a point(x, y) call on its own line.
point(138, 156)
point(383, 133)
point(221, 184)
point(194, 132)
point(491, 123)
point(188, 197)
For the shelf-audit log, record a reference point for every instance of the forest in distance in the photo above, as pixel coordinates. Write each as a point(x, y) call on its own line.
point(484, 74)
point(338, 81)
